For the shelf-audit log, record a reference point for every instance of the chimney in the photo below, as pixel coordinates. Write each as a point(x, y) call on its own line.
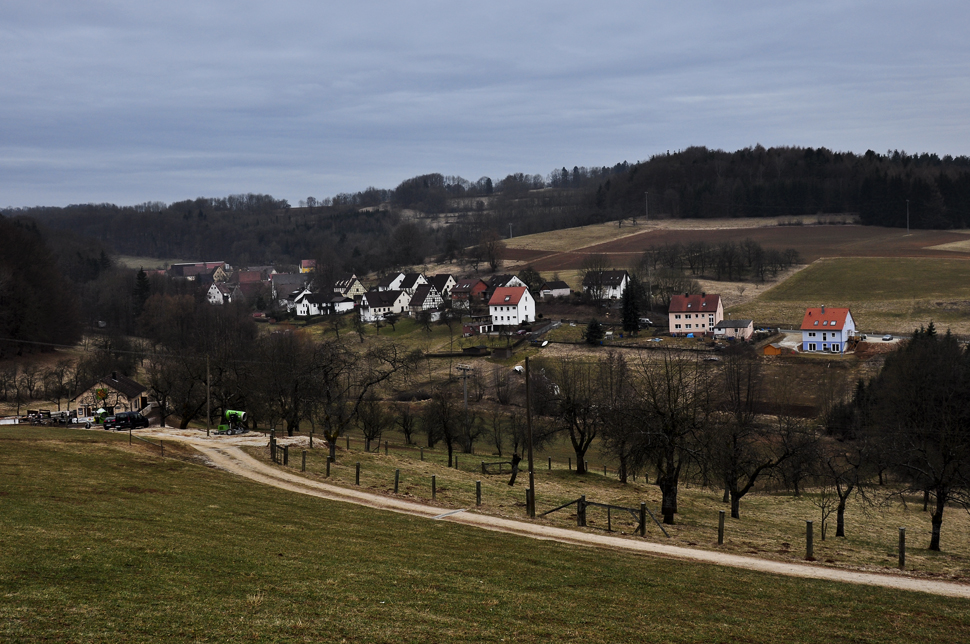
point(823, 309)
point(114, 376)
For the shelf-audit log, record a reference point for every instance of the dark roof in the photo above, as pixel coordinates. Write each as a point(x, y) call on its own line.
point(382, 298)
point(125, 385)
point(496, 281)
point(385, 282)
point(411, 280)
point(422, 293)
point(326, 298)
point(604, 278)
point(440, 281)
point(466, 285)
point(555, 286)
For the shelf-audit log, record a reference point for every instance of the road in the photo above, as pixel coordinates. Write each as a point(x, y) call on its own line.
point(226, 454)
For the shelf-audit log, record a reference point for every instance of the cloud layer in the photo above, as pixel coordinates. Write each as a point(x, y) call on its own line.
point(115, 101)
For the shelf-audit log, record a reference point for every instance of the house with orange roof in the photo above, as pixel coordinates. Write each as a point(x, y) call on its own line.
point(694, 314)
point(511, 306)
point(827, 329)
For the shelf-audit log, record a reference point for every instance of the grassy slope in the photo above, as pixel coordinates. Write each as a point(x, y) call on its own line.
point(885, 294)
point(112, 545)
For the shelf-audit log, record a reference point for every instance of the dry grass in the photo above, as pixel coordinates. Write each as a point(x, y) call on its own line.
point(885, 295)
point(772, 524)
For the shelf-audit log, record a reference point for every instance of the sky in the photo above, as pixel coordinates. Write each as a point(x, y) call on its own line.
point(128, 102)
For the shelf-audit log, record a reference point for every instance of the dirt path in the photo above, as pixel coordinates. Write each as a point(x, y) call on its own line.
point(225, 453)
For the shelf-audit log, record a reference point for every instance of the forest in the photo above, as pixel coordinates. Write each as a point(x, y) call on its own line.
point(442, 216)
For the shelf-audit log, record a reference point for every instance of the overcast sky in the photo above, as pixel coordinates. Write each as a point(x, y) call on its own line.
point(129, 102)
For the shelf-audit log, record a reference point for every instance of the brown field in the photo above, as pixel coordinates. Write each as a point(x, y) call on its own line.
point(812, 243)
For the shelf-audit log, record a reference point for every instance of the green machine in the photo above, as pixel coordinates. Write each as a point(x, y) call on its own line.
point(235, 423)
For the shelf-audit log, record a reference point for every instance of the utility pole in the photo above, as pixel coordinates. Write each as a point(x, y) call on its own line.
point(208, 396)
point(464, 369)
point(528, 423)
point(510, 230)
point(907, 216)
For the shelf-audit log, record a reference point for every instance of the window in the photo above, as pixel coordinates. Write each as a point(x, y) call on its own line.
point(676, 326)
point(689, 326)
point(677, 317)
point(835, 348)
point(811, 346)
point(825, 322)
point(816, 322)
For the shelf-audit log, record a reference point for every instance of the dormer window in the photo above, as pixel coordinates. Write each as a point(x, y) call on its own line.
point(825, 323)
point(816, 322)
point(508, 297)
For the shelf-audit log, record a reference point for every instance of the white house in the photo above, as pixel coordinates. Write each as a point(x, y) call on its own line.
point(557, 288)
point(696, 314)
point(425, 298)
point(390, 282)
point(827, 329)
point(605, 285)
point(443, 283)
point(512, 305)
point(220, 293)
point(323, 304)
point(349, 286)
point(375, 305)
point(734, 329)
point(411, 282)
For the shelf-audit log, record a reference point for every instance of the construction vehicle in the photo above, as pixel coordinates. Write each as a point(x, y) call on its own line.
point(235, 423)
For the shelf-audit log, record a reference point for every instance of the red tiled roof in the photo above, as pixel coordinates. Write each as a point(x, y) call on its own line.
point(694, 303)
point(832, 318)
point(507, 295)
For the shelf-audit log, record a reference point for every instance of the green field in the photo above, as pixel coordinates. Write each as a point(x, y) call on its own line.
point(106, 543)
point(885, 294)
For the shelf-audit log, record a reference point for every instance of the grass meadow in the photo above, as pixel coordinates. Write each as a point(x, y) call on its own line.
point(104, 542)
point(885, 294)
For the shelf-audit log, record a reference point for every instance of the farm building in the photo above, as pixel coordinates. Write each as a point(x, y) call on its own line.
point(557, 288)
point(696, 314)
point(827, 329)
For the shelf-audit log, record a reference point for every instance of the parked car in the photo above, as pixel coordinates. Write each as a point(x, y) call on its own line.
point(887, 338)
point(126, 420)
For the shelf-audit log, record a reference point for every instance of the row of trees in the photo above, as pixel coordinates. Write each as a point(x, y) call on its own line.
point(726, 260)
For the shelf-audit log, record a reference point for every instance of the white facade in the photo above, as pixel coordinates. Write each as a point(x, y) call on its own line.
point(376, 305)
point(511, 306)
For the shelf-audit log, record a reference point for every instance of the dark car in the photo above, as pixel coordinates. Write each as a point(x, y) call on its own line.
point(126, 420)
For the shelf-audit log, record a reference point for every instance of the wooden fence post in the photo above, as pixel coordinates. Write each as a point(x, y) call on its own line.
point(643, 519)
point(456, 462)
point(311, 439)
point(902, 548)
point(720, 527)
point(422, 453)
point(397, 479)
point(357, 478)
point(286, 455)
point(434, 487)
point(809, 541)
point(478, 492)
point(570, 463)
point(348, 442)
point(604, 470)
point(385, 448)
point(550, 463)
point(303, 467)
point(129, 436)
point(581, 512)
point(483, 467)
point(328, 468)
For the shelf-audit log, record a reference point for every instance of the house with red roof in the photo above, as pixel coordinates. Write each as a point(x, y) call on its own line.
point(511, 306)
point(694, 314)
point(827, 329)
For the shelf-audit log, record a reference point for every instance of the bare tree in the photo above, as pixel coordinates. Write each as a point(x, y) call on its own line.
point(372, 419)
point(407, 421)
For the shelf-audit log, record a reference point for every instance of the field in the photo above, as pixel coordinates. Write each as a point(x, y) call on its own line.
point(548, 253)
point(885, 294)
point(114, 544)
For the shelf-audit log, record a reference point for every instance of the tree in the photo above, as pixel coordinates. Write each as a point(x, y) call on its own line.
point(407, 421)
point(631, 301)
point(739, 447)
point(592, 268)
point(143, 290)
point(674, 402)
point(594, 333)
point(532, 279)
point(372, 419)
point(921, 415)
point(444, 418)
point(580, 409)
